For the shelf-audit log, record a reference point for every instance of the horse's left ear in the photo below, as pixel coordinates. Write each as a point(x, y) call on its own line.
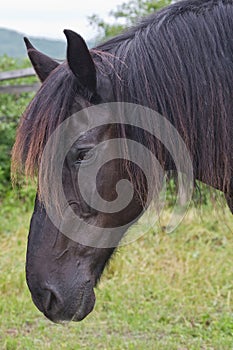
point(42, 64)
point(80, 60)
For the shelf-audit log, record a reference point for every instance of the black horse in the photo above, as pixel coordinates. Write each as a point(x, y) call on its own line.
point(178, 62)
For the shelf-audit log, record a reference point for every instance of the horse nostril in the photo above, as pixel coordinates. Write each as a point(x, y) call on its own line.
point(51, 300)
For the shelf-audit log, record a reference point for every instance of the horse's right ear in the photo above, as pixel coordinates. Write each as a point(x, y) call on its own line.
point(42, 64)
point(80, 61)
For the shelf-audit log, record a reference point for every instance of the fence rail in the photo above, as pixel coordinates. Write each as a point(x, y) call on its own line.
point(19, 73)
point(16, 74)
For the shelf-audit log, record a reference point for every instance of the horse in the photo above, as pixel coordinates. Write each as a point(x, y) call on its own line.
point(177, 62)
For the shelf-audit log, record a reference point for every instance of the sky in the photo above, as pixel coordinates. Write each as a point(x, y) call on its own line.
point(48, 18)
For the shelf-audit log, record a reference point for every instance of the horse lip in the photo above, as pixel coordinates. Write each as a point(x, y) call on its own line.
point(87, 303)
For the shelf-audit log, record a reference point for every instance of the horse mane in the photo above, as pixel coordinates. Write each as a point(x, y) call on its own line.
point(178, 61)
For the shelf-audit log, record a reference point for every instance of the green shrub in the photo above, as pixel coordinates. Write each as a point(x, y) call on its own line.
point(11, 108)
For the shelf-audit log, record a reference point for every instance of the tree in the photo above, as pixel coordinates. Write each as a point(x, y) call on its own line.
point(125, 16)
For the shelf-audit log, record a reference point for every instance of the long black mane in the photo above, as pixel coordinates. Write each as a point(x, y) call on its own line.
point(179, 62)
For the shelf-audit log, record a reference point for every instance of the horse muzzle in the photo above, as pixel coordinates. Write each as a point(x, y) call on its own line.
point(71, 306)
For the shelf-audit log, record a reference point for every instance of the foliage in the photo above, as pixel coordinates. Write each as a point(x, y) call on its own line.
point(163, 291)
point(11, 108)
point(126, 15)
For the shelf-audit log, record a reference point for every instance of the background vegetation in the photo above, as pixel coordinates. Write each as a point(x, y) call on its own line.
point(11, 108)
point(161, 292)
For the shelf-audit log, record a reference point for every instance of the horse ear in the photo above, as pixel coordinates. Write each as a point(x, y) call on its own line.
point(80, 60)
point(42, 64)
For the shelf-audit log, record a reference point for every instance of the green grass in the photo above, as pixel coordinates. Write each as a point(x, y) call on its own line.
point(161, 292)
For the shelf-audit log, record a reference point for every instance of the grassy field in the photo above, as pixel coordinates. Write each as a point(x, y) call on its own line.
point(164, 291)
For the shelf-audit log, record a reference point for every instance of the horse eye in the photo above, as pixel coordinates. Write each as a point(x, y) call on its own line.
point(84, 156)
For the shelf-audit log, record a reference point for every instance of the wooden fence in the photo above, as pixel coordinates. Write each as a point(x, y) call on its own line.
point(16, 74)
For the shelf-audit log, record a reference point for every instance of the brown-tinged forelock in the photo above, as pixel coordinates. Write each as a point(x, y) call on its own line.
point(49, 108)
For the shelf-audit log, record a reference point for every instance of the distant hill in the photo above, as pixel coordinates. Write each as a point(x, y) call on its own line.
point(11, 43)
